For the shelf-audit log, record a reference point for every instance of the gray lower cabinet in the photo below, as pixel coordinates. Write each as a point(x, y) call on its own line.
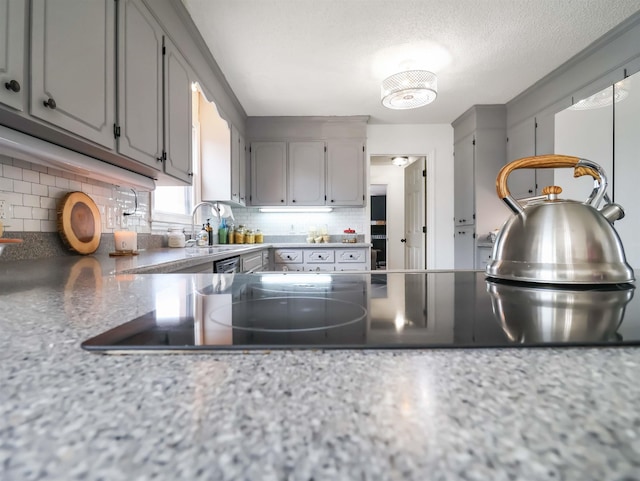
point(464, 257)
point(12, 53)
point(72, 67)
point(321, 259)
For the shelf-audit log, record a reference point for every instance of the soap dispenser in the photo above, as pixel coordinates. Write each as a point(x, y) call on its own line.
point(203, 237)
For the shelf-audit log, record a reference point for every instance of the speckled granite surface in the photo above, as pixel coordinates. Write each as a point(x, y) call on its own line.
point(501, 414)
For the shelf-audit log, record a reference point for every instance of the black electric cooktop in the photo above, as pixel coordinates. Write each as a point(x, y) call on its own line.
point(402, 310)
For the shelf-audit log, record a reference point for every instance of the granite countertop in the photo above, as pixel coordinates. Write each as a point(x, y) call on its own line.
point(476, 414)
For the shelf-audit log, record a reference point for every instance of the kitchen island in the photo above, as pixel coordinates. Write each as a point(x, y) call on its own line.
point(67, 414)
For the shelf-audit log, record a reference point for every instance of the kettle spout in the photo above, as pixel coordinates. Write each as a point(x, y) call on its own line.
point(612, 212)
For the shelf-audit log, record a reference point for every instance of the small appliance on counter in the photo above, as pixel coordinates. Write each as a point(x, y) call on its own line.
point(550, 240)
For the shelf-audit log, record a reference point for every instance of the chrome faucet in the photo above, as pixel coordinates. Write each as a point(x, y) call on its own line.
point(213, 206)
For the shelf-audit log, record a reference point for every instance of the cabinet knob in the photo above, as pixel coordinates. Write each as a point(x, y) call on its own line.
point(332, 200)
point(12, 85)
point(50, 103)
point(403, 240)
point(282, 200)
point(159, 159)
point(293, 200)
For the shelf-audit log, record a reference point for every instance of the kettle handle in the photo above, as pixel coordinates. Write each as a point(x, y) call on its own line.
point(551, 161)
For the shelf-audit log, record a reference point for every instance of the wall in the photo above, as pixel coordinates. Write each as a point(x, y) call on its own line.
point(33, 192)
point(436, 142)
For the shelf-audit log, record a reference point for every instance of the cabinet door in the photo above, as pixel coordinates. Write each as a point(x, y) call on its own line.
point(12, 53)
point(627, 168)
point(177, 115)
point(72, 67)
point(306, 173)
point(522, 143)
point(345, 172)
point(140, 84)
point(268, 173)
point(242, 171)
point(463, 205)
point(235, 164)
point(463, 247)
point(544, 145)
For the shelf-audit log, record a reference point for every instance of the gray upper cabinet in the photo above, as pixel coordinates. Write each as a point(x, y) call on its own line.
point(72, 67)
point(177, 115)
point(627, 166)
point(12, 53)
point(242, 169)
point(522, 143)
point(238, 168)
point(463, 207)
point(345, 172)
point(268, 173)
point(140, 84)
point(306, 173)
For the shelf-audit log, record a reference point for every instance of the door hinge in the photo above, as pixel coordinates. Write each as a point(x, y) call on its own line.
point(325, 198)
point(424, 229)
point(474, 217)
point(164, 50)
point(363, 148)
point(536, 125)
point(473, 142)
point(249, 149)
point(325, 148)
point(116, 131)
point(424, 173)
point(474, 235)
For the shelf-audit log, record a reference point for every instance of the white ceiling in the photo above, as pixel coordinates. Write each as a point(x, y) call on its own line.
point(328, 57)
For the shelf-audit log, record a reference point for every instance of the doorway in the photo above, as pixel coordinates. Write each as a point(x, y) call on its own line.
point(405, 249)
point(379, 225)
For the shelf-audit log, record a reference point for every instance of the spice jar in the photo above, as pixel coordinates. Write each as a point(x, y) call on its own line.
point(259, 236)
point(176, 238)
point(249, 237)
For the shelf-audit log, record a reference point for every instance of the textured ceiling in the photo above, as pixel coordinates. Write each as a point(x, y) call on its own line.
point(328, 57)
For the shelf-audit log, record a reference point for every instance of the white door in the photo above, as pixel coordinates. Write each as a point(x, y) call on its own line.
point(415, 220)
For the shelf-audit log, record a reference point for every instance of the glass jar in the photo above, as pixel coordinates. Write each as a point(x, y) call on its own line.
point(249, 237)
point(239, 235)
point(349, 236)
point(231, 235)
point(176, 238)
point(259, 237)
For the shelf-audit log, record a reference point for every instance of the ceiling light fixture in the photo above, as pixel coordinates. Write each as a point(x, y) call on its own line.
point(601, 99)
point(409, 90)
point(400, 161)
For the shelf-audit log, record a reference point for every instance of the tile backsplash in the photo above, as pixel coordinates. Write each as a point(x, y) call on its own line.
point(300, 223)
point(32, 192)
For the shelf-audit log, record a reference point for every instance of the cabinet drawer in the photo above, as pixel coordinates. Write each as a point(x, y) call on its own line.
point(318, 256)
point(288, 256)
point(288, 267)
point(352, 266)
point(319, 267)
point(251, 262)
point(351, 255)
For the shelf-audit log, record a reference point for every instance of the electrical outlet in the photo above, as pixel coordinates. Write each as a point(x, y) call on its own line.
point(4, 209)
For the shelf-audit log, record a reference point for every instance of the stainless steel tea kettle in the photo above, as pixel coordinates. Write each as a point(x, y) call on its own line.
point(556, 241)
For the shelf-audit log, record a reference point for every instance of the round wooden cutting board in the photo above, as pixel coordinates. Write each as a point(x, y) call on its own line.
point(79, 222)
